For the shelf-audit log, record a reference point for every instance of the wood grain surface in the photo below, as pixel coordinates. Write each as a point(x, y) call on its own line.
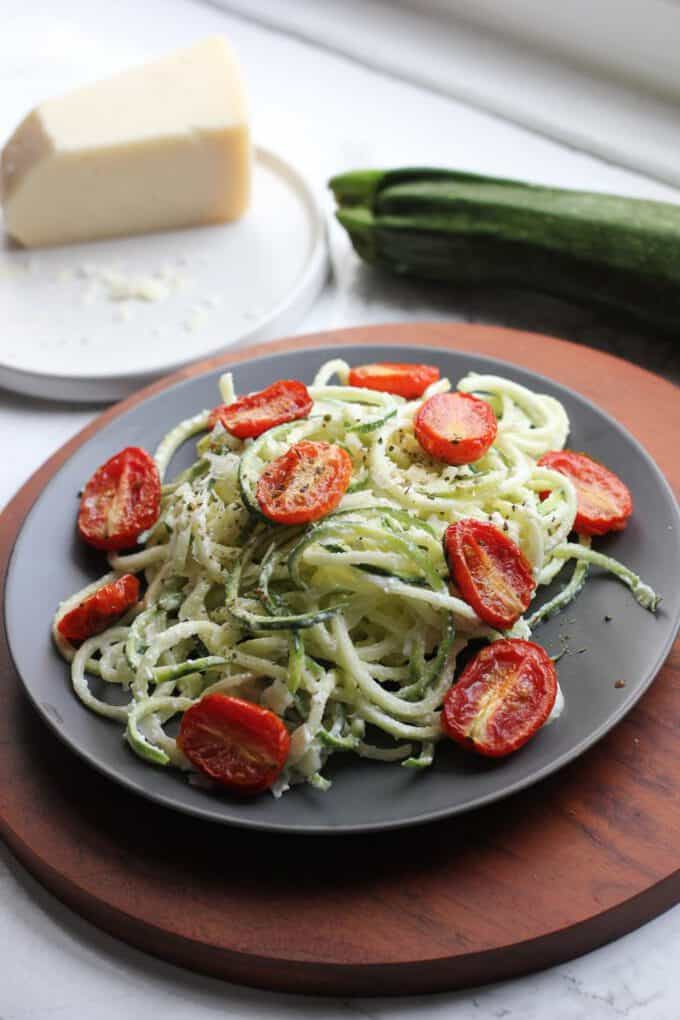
point(546, 875)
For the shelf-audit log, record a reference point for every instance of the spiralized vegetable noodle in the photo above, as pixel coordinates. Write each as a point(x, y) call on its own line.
point(349, 628)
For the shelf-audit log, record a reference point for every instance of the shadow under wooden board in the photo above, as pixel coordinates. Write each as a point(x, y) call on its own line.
point(543, 876)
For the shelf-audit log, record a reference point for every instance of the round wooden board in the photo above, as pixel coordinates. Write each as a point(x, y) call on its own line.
point(541, 877)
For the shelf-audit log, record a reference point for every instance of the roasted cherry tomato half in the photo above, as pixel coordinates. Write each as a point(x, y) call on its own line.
point(304, 483)
point(455, 427)
point(491, 571)
point(408, 381)
point(604, 502)
point(502, 697)
point(247, 417)
point(99, 610)
point(121, 499)
point(236, 743)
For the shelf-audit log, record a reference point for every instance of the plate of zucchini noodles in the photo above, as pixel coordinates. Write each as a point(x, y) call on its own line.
point(321, 594)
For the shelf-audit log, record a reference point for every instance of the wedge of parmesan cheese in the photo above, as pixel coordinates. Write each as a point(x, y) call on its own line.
point(159, 147)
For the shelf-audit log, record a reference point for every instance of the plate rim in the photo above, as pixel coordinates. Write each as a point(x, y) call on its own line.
point(320, 342)
point(71, 387)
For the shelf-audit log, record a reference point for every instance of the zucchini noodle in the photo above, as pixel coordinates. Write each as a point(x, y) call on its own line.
point(349, 628)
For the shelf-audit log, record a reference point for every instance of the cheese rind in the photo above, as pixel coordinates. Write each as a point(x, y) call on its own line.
point(160, 147)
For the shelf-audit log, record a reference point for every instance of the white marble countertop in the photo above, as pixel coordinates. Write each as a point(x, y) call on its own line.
point(332, 115)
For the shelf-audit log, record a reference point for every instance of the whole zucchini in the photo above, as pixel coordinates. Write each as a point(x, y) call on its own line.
point(623, 253)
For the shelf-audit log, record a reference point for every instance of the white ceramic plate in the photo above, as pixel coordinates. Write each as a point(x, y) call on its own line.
point(96, 321)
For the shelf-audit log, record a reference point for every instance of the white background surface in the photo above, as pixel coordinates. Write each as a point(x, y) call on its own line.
point(565, 70)
point(332, 115)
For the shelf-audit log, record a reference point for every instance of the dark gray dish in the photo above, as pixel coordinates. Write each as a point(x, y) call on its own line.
point(49, 563)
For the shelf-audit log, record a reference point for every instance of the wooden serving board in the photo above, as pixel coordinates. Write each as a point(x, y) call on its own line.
point(541, 877)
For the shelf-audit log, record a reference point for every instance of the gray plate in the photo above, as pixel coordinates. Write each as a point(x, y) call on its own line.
point(49, 563)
